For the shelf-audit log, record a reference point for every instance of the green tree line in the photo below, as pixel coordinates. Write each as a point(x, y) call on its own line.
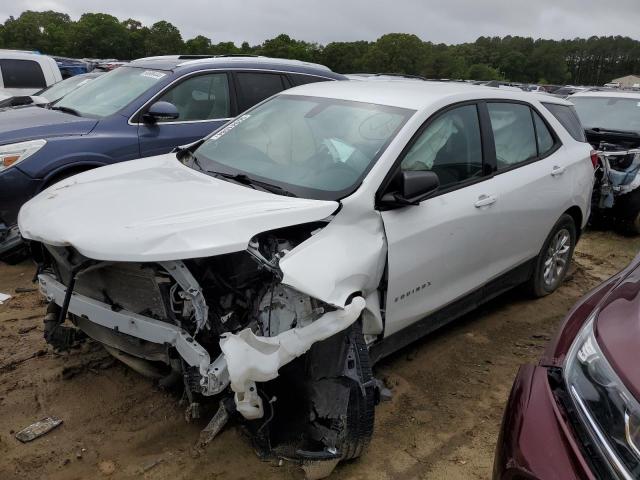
point(591, 61)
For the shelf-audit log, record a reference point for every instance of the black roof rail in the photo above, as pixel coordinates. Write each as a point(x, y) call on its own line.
point(196, 57)
point(240, 55)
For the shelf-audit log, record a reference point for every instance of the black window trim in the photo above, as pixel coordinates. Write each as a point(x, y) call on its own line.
point(136, 118)
point(486, 147)
point(557, 143)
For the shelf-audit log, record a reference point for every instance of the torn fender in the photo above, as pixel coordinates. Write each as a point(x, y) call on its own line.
point(345, 257)
point(251, 358)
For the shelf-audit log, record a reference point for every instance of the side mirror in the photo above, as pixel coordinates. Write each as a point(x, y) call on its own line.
point(410, 188)
point(160, 111)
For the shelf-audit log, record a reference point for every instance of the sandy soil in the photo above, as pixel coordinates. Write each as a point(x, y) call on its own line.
point(448, 394)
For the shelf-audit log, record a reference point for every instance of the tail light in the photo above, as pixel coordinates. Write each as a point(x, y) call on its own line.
point(594, 158)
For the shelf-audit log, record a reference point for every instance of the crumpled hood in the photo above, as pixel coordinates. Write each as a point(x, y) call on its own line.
point(30, 123)
point(618, 330)
point(157, 209)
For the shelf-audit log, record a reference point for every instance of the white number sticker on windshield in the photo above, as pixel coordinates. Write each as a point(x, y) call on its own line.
point(230, 127)
point(152, 74)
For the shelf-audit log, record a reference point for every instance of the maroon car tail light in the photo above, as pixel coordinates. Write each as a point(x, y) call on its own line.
point(594, 159)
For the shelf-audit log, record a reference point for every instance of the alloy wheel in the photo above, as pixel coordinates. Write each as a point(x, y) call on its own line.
point(557, 258)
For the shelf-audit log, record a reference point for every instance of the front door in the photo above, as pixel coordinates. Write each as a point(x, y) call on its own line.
point(437, 250)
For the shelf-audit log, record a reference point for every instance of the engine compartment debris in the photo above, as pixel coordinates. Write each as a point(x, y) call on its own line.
point(38, 429)
point(291, 367)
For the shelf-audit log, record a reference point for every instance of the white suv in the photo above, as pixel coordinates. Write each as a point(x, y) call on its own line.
point(314, 234)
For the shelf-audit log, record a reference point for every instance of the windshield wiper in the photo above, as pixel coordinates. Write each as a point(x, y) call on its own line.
point(601, 131)
point(70, 110)
point(247, 180)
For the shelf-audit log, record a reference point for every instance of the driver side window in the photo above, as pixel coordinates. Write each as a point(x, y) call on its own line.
point(450, 146)
point(203, 97)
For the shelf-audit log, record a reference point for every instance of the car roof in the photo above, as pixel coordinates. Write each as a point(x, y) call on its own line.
point(609, 94)
point(411, 94)
point(197, 62)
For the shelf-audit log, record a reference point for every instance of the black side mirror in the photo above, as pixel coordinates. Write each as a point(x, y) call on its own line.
point(410, 188)
point(159, 112)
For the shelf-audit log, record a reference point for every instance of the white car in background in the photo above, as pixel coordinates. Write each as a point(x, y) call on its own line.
point(274, 262)
point(25, 73)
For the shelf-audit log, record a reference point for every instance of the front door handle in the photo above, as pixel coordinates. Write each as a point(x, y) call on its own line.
point(485, 200)
point(556, 170)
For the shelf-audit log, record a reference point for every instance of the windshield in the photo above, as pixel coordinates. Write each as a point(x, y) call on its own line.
point(60, 89)
point(313, 147)
point(111, 92)
point(610, 113)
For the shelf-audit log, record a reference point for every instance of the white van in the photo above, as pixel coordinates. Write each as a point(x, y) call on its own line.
point(25, 73)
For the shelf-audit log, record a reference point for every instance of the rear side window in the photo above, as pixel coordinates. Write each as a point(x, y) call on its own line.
point(22, 74)
point(568, 117)
point(301, 79)
point(255, 87)
point(513, 133)
point(543, 135)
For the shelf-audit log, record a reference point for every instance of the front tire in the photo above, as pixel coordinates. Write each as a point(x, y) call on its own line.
point(553, 261)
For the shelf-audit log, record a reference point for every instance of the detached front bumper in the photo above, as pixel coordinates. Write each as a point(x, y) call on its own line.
point(214, 375)
point(536, 440)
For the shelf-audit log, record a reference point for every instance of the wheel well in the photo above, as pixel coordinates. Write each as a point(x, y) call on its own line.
point(67, 172)
point(575, 213)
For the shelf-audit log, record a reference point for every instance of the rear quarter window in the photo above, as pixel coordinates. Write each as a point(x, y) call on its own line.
point(22, 74)
point(568, 118)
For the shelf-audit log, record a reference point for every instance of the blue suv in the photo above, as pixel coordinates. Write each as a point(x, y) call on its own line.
point(145, 108)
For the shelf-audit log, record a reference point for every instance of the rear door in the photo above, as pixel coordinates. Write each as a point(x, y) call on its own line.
point(531, 177)
point(438, 250)
point(204, 102)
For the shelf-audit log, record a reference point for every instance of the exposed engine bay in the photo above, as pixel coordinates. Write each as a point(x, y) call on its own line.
point(616, 176)
point(225, 328)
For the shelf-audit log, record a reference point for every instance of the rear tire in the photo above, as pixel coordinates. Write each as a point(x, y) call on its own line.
point(552, 263)
point(627, 213)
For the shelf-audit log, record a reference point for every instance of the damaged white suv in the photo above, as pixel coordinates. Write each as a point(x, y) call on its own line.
point(273, 262)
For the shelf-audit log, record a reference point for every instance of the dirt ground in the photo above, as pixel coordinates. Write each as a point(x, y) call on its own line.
point(448, 395)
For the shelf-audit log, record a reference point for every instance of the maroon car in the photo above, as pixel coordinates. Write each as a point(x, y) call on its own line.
point(576, 415)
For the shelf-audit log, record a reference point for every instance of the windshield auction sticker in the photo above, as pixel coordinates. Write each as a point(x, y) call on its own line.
point(230, 127)
point(152, 74)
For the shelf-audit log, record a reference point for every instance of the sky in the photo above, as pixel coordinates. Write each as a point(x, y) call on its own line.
point(324, 21)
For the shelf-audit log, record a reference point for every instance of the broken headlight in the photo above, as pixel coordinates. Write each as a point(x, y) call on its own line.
point(14, 153)
point(606, 407)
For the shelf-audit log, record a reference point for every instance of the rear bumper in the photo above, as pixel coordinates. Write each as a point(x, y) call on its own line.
point(536, 440)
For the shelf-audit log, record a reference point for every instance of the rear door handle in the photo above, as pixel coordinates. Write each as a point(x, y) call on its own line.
point(556, 170)
point(485, 200)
